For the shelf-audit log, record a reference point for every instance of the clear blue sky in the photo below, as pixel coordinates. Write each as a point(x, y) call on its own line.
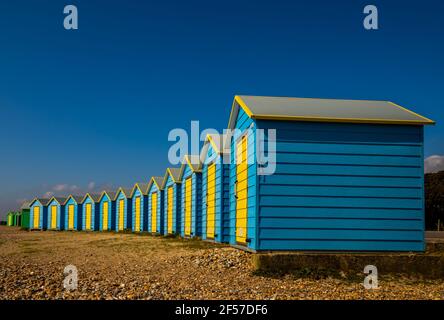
point(94, 106)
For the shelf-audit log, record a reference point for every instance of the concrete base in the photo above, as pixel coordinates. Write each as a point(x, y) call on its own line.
point(428, 265)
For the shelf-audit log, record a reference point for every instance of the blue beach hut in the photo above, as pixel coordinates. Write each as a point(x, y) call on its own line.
point(73, 213)
point(172, 191)
point(191, 201)
point(107, 210)
point(215, 189)
point(56, 213)
point(139, 196)
point(123, 209)
point(155, 216)
point(38, 214)
point(343, 175)
point(90, 212)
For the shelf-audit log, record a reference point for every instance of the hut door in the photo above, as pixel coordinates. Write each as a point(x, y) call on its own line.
point(121, 213)
point(71, 216)
point(53, 217)
point(188, 199)
point(170, 209)
point(211, 200)
point(88, 216)
point(154, 212)
point(36, 221)
point(137, 222)
point(105, 214)
point(241, 190)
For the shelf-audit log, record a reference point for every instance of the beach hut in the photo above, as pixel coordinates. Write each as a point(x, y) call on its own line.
point(24, 223)
point(73, 213)
point(215, 189)
point(18, 219)
point(107, 207)
point(123, 209)
point(39, 213)
point(56, 213)
point(342, 175)
point(90, 212)
point(191, 200)
point(155, 206)
point(10, 219)
point(172, 192)
point(139, 196)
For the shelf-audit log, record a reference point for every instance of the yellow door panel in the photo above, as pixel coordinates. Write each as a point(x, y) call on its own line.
point(88, 213)
point(188, 203)
point(241, 190)
point(121, 214)
point(211, 201)
point(53, 217)
point(170, 209)
point(154, 212)
point(36, 217)
point(137, 222)
point(242, 195)
point(71, 216)
point(105, 214)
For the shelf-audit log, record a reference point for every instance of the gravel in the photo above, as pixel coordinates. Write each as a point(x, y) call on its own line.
point(128, 266)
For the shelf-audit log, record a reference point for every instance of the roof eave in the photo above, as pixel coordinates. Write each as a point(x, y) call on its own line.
point(342, 120)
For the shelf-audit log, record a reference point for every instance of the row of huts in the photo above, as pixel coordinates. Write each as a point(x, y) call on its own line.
point(348, 175)
point(19, 218)
point(167, 205)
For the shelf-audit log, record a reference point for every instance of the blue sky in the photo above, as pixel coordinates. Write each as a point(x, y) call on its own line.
point(85, 109)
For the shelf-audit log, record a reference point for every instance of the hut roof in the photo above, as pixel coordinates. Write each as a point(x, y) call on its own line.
point(143, 187)
point(156, 180)
point(324, 110)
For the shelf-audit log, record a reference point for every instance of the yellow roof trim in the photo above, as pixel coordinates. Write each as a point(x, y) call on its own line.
point(213, 144)
point(123, 191)
point(133, 190)
point(53, 198)
point(69, 197)
point(239, 101)
point(347, 120)
point(34, 200)
point(187, 158)
point(243, 105)
point(411, 112)
point(155, 182)
point(102, 194)
point(87, 195)
point(172, 175)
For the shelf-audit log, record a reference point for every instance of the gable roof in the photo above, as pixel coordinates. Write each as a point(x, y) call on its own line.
point(110, 193)
point(142, 186)
point(43, 201)
point(193, 161)
point(219, 142)
point(25, 205)
point(158, 181)
point(94, 196)
point(60, 200)
point(77, 199)
point(126, 192)
point(324, 110)
point(175, 175)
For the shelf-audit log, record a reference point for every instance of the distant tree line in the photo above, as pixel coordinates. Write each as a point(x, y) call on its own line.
point(434, 200)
